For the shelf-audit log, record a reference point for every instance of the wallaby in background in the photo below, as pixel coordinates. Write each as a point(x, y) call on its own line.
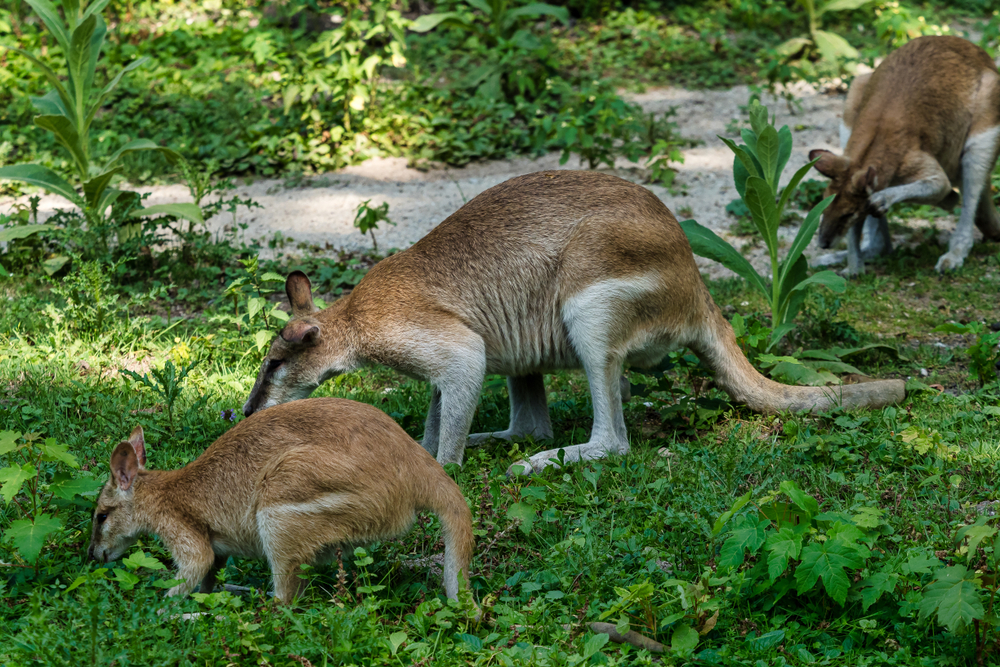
point(291, 484)
point(927, 119)
point(557, 269)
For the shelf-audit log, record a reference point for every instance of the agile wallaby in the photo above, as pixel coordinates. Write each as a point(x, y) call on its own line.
point(557, 269)
point(926, 119)
point(291, 485)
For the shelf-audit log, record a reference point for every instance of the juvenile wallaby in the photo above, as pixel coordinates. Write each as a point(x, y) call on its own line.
point(291, 485)
point(557, 269)
point(927, 119)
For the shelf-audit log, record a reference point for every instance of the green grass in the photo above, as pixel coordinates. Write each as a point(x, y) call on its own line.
point(595, 529)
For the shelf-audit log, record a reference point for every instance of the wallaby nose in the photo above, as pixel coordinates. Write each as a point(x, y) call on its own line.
point(247, 409)
point(90, 552)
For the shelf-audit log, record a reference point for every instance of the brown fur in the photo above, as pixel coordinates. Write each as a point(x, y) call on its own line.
point(290, 484)
point(546, 271)
point(911, 123)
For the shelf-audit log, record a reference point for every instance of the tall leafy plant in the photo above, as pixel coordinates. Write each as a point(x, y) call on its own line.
point(68, 111)
point(829, 46)
point(756, 169)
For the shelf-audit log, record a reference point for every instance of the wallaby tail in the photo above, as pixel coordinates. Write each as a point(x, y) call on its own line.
point(717, 347)
point(448, 503)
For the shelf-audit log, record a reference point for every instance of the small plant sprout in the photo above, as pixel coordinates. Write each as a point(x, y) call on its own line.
point(368, 217)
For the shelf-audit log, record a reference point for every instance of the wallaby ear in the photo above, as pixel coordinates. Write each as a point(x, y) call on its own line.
point(300, 331)
point(124, 465)
point(138, 442)
point(299, 291)
point(829, 164)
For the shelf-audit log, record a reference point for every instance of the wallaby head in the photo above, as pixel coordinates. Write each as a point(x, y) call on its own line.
point(115, 525)
point(853, 188)
point(300, 356)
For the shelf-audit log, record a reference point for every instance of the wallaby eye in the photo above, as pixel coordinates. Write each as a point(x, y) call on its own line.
point(101, 518)
point(274, 364)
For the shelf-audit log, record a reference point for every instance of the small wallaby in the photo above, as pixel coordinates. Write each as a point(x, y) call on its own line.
point(556, 269)
point(927, 119)
point(291, 484)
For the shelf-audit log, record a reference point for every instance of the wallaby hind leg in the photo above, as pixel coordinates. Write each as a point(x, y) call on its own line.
point(978, 158)
point(590, 318)
point(529, 411)
point(432, 427)
point(460, 384)
point(987, 217)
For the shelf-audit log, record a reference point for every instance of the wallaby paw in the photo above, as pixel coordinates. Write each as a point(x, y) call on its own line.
point(830, 258)
point(950, 261)
point(880, 202)
point(849, 272)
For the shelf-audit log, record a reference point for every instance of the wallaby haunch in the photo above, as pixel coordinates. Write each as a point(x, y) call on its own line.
point(291, 485)
point(927, 119)
point(557, 269)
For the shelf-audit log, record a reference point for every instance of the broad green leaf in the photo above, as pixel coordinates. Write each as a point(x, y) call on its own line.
point(538, 9)
point(792, 46)
point(8, 440)
point(805, 502)
point(685, 638)
point(758, 117)
point(94, 188)
point(428, 22)
point(803, 375)
point(705, 243)
point(44, 177)
point(832, 46)
point(50, 16)
point(742, 155)
point(187, 211)
point(760, 201)
point(102, 573)
point(69, 488)
point(261, 339)
point(954, 597)
point(109, 88)
point(746, 532)
point(767, 640)
point(840, 5)
point(52, 265)
point(396, 640)
point(728, 514)
point(484, 7)
point(784, 152)
point(474, 643)
point(789, 301)
point(740, 176)
point(96, 44)
point(50, 104)
point(66, 134)
point(874, 586)
point(806, 231)
point(51, 77)
point(95, 7)
point(921, 563)
point(782, 546)
point(141, 145)
point(768, 154)
point(524, 513)
point(271, 277)
point(793, 185)
point(594, 644)
point(78, 59)
point(254, 306)
point(828, 561)
point(29, 538)
point(976, 534)
point(142, 559)
point(12, 477)
point(127, 580)
point(23, 231)
point(868, 518)
point(780, 332)
point(750, 139)
point(826, 278)
point(55, 452)
point(832, 366)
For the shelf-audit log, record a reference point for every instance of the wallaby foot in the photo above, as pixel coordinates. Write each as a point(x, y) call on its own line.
point(589, 451)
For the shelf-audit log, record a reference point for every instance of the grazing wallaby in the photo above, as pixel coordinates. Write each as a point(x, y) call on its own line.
point(927, 119)
point(558, 269)
point(291, 485)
